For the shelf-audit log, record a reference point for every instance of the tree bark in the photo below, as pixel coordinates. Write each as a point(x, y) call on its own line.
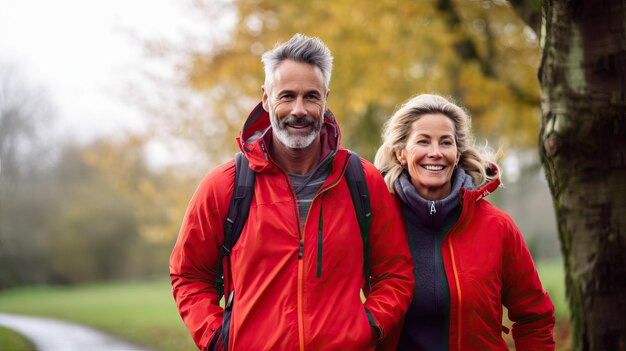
point(583, 150)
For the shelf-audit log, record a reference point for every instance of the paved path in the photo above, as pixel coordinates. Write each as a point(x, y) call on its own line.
point(54, 335)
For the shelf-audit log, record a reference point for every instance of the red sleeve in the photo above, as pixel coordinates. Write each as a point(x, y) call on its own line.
point(195, 256)
point(530, 308)
point(391, 264)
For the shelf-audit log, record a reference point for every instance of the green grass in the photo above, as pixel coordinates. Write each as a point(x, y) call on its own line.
point(141, 312)
point(10, 340)
point(552, 277)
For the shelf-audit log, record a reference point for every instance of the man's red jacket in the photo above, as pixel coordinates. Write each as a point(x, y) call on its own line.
point(284, 300)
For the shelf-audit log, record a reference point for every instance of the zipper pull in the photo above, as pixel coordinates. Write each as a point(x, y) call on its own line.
point(264, 151)
point(301, 250)
point(433, 210)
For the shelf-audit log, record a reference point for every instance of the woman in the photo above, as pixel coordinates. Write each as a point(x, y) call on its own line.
point(470, 258)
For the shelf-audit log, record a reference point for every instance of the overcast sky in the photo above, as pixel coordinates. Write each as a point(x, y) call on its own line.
point(82, 52)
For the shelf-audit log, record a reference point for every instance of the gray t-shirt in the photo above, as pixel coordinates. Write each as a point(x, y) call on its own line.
point(306, 186)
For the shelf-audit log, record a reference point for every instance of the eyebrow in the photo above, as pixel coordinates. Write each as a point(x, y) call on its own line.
point(307, 92)
point(430, 136)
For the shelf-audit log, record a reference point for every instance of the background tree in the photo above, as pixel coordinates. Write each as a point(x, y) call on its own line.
point(26, 113)
point(92, 232)
point(385, 52)
point(72, 213)
point(583, 150)
point(115, 218)
point(156, 197)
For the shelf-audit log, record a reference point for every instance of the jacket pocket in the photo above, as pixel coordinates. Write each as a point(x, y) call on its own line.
point(228, 312)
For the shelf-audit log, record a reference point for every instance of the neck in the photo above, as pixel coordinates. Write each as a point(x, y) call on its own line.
point(296, 161)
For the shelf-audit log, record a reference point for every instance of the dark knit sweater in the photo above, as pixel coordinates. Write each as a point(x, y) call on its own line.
point(427, 321)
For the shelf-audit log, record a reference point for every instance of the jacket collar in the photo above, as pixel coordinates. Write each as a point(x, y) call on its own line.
point(483, 191)
point(433, 214)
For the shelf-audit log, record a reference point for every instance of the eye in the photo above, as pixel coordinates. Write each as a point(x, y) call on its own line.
point(422, 142)
point(286, 96)
point(312, 97)
point(447, 143)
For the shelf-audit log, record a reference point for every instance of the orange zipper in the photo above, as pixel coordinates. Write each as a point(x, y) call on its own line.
point(300, 304)
point(301, 262)
point(300, 252)
point(458, 292)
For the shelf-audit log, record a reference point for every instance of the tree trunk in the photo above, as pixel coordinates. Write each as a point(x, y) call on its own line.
point(583, 150)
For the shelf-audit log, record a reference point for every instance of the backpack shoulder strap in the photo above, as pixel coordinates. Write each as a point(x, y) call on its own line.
point(238, 211)
point(357, 184)
point(240, 202)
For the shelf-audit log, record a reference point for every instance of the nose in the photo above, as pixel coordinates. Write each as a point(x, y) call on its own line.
point(434, 151)
point(298, 109)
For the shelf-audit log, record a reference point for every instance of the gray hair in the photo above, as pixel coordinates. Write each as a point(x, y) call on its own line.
point(397, 129)
point(299, 48)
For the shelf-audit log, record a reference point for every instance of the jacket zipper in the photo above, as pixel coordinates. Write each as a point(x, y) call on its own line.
point(455, 271)
point(300, 251)
point(458, 292)
point(320, 234)
point(300, 303)
point(301, 262)
point(301, 244)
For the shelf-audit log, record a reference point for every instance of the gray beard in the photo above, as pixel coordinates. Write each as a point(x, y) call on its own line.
point(293, 140)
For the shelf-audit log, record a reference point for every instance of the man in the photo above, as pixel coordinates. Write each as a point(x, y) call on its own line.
point(296, 271)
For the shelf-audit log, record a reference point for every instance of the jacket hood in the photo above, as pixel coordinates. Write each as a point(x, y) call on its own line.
point(486, 189)
point(256, 134)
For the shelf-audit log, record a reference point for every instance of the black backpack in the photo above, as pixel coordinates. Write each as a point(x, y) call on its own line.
point(242, 197)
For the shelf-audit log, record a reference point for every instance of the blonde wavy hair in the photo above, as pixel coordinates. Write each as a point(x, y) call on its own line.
point(477, 163)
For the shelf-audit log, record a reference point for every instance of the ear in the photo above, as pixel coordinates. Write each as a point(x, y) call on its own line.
point(265, 98)
point(401, 156)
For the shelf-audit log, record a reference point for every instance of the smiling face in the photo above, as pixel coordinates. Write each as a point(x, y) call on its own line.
point(296, 102)
point(430, 155)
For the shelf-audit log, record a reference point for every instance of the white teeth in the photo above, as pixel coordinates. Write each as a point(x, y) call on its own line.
point(434, 168)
